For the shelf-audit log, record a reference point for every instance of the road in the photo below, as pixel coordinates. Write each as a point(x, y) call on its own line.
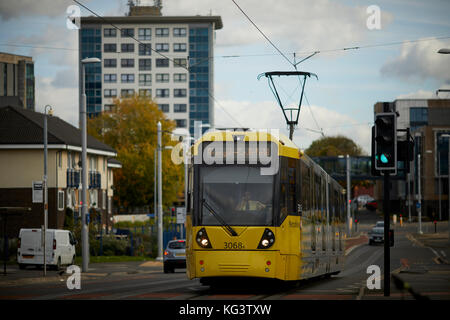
point(421, 261)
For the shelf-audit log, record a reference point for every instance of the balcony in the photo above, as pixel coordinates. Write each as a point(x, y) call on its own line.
point(95, 180)
point(73, 178)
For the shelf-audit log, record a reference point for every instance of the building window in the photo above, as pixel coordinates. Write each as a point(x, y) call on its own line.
point(110, 63)
point(162, 32)
point(145, 49)
point(179, 107)
point(164, 107)
point(162, 47)
point(179, 77)
point(162, 63)
point(110, 77)
point(110, 93)
point(145, 79)
point(93, 198)
point(145, 92)
point(127, 78)
point(125, 93)
point(109, 107)
point(162, 77)
point(127, 47)
point(418, 117)
point(180, 63)
point(109, 33)
point(179, 93)
point(162, 93)
point(127, 63)
point(145, 64)
point(179, 47)
point(109, 47)
point(179, 32)
point(181, 123)
point(127, 32)
point(60, 200)
point(145, 34)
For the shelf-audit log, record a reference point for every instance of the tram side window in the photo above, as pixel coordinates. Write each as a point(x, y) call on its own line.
point(305, 187)
point(288, 190)
point(317, 195)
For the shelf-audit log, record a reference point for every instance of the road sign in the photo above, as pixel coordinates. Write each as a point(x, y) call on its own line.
point(181, 215)
point(38, 192)
point(418, 205)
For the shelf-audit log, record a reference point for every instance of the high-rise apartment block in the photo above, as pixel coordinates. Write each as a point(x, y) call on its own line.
point(166, 57)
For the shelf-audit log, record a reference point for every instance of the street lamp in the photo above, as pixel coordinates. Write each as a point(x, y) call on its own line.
point(155, 181)
point(84, 178)
point(50, 112)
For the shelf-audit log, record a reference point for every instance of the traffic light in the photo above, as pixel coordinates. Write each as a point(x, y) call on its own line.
point(172, 210)
point(386, 141)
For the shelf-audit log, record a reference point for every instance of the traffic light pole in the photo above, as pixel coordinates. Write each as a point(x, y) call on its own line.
point(387, 254)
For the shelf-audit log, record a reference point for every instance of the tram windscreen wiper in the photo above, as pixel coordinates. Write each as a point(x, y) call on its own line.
point(220, 219)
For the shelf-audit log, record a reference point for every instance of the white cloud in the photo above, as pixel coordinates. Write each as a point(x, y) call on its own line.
point(267, 115)
point(64, 101)
point(290, 24)
point(420, 61)
point(419, 94)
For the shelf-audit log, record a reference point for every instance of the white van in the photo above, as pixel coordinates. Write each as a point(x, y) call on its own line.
point(60, 248)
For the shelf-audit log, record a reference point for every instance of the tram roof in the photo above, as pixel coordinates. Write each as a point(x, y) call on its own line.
point(285, 146)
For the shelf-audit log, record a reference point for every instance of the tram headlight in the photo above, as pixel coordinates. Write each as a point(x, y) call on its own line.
point(267, 240)
point(202, 239)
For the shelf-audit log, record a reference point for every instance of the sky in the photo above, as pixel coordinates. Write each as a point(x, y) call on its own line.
point(397, 59)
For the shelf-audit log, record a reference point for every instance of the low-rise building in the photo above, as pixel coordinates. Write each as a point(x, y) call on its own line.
point(22, 162)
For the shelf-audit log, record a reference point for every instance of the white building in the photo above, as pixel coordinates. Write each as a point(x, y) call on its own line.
point(166, 57)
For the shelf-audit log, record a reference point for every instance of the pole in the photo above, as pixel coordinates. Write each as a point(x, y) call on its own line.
point(349, 187)
point(45, 191)
point(291, 131)
point(387, 257)
point(155, 191)
point(84, 179)
point(448, 175)
point(160, 213)
point(419, 210)
point(5, 242)
point(439, 186)
point(408, 195)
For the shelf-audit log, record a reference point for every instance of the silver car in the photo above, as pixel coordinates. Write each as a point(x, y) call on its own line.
point(174, 255)
point(376, 235)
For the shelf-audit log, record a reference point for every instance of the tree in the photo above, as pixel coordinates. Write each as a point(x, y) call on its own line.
point(131, 130)
point(333, 146)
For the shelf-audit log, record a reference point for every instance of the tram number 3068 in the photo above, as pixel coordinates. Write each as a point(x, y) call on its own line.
point(233, 245)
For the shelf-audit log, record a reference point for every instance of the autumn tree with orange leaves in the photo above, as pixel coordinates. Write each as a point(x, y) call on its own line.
point(131, 130)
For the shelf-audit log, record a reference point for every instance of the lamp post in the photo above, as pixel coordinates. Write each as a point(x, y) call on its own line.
point(84, 178)
point(448, 175)
point(155, 185)
point(50, 111)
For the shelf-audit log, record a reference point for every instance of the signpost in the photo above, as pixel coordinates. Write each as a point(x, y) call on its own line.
point(181, 218)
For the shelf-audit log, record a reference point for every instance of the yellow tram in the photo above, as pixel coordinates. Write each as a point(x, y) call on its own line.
point(243, 222)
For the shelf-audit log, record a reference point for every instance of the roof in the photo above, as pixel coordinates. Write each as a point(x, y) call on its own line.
point(285, 146)
point(114, 163)
point(25, 127)
point(217, 20)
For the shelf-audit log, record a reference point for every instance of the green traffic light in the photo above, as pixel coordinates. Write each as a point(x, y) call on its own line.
point(383, 158)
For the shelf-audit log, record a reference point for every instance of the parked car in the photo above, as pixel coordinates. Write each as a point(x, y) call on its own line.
point(376, 235)
point(174, 255)
point(59, 248)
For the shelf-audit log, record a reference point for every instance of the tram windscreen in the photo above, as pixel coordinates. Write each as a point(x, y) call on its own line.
point(239, 195)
